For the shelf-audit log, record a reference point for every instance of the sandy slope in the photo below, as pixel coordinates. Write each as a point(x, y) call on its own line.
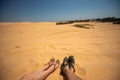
point(26, 47)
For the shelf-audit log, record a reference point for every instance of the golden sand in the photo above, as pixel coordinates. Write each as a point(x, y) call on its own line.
point(27, 46)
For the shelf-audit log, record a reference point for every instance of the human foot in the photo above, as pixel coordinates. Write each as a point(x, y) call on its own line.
point(42, 74)
point(65, 63)
point(69, 63)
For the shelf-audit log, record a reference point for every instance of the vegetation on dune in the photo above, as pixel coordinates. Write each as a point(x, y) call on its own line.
point(86, 26)
point(64, 22)
point(107, 19)
point(116, 22)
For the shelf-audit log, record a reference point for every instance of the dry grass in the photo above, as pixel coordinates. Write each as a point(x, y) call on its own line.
point(86, 26)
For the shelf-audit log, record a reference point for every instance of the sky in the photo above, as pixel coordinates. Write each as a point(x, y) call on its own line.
point(57, 10)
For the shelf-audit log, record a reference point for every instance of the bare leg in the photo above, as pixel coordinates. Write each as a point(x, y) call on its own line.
point(43, 73)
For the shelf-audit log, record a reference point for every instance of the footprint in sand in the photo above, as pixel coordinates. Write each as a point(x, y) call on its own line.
point(81, 72)
point(6, 71)
point(96, 44)
point(52, 46)
point(21, 31)
point(34, 65)
point(17, 46)
point(63, 49)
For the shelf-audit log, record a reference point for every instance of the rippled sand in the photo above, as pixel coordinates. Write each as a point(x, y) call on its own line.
point(26, 47)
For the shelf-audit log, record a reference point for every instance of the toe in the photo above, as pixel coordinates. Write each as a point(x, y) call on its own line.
point(47, 66)
point(57, 63)
point(53, 67)
point(50, 63)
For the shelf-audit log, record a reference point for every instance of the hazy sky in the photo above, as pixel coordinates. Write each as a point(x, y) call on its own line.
point(56, 10)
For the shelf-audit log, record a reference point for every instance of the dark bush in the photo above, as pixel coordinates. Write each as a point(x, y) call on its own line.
point(116, 22)
point(64, 22)
point(83, 26)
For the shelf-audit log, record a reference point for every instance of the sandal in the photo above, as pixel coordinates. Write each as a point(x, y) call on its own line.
point(65, 63)
point(71, 62)
point(71, 59)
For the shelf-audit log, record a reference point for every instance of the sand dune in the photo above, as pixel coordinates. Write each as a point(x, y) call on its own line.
point(26, 47)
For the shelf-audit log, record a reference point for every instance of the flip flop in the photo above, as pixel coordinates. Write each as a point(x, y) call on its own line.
point(71, 62)
point(71, 59)
point(65, 63)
